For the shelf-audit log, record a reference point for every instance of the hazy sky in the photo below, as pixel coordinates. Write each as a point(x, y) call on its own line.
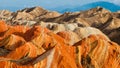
point(48, 3)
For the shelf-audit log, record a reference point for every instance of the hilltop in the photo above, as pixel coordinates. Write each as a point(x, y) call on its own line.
point(39, 38)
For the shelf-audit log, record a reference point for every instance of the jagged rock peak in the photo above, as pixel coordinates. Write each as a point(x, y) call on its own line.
point(32, 8)
point(99, 9)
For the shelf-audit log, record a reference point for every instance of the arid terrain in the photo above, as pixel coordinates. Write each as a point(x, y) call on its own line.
point(39, 38)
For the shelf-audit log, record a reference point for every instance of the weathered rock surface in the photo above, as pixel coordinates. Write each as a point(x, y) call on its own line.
point(95, 52)
point(83, 32)
point(69, 36)
point(114, 35)
point(106, 21)
point(5, 15)
point(97, 17)
point(27, 15)
point(38, 38)
point(38, 47)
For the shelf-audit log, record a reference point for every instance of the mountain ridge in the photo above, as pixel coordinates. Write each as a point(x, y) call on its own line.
point(107, 5)
point(69, 8)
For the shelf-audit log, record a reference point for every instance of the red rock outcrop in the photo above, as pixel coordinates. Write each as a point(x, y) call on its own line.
point(3, 26)
point(97, 17)
point(34, 47)
point(38, 47)
point(96, 52)
point(69, 36)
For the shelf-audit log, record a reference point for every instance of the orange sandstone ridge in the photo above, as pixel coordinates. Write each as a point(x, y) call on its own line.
point(38, 47)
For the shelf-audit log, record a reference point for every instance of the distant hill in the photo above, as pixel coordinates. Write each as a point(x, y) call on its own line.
point(110, 6)
point(68, 8)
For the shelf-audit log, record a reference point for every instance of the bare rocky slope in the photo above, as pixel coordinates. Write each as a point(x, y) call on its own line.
point(38, 38)
point(100, 18)
point(38, 47)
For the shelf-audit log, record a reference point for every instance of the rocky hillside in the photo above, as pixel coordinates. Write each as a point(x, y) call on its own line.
point(38, 47)
point(38, 38)
point(100, 18)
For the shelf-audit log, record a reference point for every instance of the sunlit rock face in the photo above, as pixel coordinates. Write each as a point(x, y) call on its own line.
point(35, 47)
point(39, 47)
point(69, 36)
point(100, 18)
point(94, 51)
point(83, 32)
point(27, 15)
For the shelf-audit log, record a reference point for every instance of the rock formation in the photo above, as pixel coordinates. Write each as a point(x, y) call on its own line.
point(5, 15)
point(83, 32)
point(100, 18)
point(38, 47)
point(38, 38)
point(95, 52)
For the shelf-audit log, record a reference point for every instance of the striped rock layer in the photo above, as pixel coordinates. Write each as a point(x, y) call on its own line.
point(38, 47)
